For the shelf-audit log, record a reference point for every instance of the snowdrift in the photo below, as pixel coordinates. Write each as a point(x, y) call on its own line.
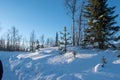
point(48, 64)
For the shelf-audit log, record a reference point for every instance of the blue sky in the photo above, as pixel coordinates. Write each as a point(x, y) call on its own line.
point(44, 16)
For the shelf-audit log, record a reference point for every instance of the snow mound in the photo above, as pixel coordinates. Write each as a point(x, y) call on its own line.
point(47, 64)
point(86, 55)
point(13, 62)
point(33, 56)
point(116, 61)
point(97, 68)
point(66, 58)
point(76, 76)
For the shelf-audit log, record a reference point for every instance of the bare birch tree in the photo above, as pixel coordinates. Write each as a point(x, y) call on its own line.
point(80, 21)
point(32, 41)
point(71, 5)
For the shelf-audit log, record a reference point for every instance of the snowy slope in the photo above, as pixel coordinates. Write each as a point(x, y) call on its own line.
point(48, 64)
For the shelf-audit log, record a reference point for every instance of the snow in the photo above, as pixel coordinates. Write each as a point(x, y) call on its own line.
point(66, 58)
point(33, 56)
point(116, 61)
point(97, 68)
point(86, 55)
point(48, 64)
point(94, 21)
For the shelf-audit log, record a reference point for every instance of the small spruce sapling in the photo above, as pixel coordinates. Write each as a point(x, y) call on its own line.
point(65, 40)
point(103, 61)
point(37, 45)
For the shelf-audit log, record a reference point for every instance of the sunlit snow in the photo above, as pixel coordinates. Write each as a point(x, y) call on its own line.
point(48, 64)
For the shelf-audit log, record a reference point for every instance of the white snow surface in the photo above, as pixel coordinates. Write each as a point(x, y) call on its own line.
point(116, 61)
point(97, 68)
point(48, 64)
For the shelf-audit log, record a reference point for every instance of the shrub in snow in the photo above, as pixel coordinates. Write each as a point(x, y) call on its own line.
point(37, 45)
point(62, 50)
point(103, 61)
point(74, 54)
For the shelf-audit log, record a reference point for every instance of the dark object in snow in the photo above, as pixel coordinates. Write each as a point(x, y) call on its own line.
point(118, 56)
point(61, 50)
point(74, 54)
point(103, 61)
point(1, 70)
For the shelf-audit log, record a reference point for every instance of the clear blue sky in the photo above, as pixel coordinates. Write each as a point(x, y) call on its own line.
point(44, 16)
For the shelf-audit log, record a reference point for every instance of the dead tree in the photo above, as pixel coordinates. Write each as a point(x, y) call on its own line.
point(71, 5)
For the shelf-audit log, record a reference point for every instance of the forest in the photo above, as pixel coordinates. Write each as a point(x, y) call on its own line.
point(93, 25)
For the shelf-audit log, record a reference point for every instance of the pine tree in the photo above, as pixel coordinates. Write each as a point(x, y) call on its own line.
point(8, 41)
point(101, 22)
point(37, 45)
point(56, 39)
point(65, 39)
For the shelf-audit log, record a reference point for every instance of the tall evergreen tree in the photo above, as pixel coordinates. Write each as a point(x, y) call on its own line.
point(65, 39)
point(8, 41)
point(101, 22)
point(56, 39)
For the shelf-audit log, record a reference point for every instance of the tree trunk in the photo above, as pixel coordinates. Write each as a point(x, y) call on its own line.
point(73, 30)
point(101, 44)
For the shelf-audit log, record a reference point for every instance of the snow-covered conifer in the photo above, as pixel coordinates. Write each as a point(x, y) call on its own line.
point(65, 39)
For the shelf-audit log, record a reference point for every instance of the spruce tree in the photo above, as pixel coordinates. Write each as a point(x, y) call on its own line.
point(56, 39)
point(37, 45)
point(65, 39)
point(101, 20)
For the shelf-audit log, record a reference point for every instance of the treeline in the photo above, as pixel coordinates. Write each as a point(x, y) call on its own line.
point(13, 41)
point(93, 25)
point(36, 44)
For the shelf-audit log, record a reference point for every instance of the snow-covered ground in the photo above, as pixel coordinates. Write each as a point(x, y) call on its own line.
point(48, 64)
